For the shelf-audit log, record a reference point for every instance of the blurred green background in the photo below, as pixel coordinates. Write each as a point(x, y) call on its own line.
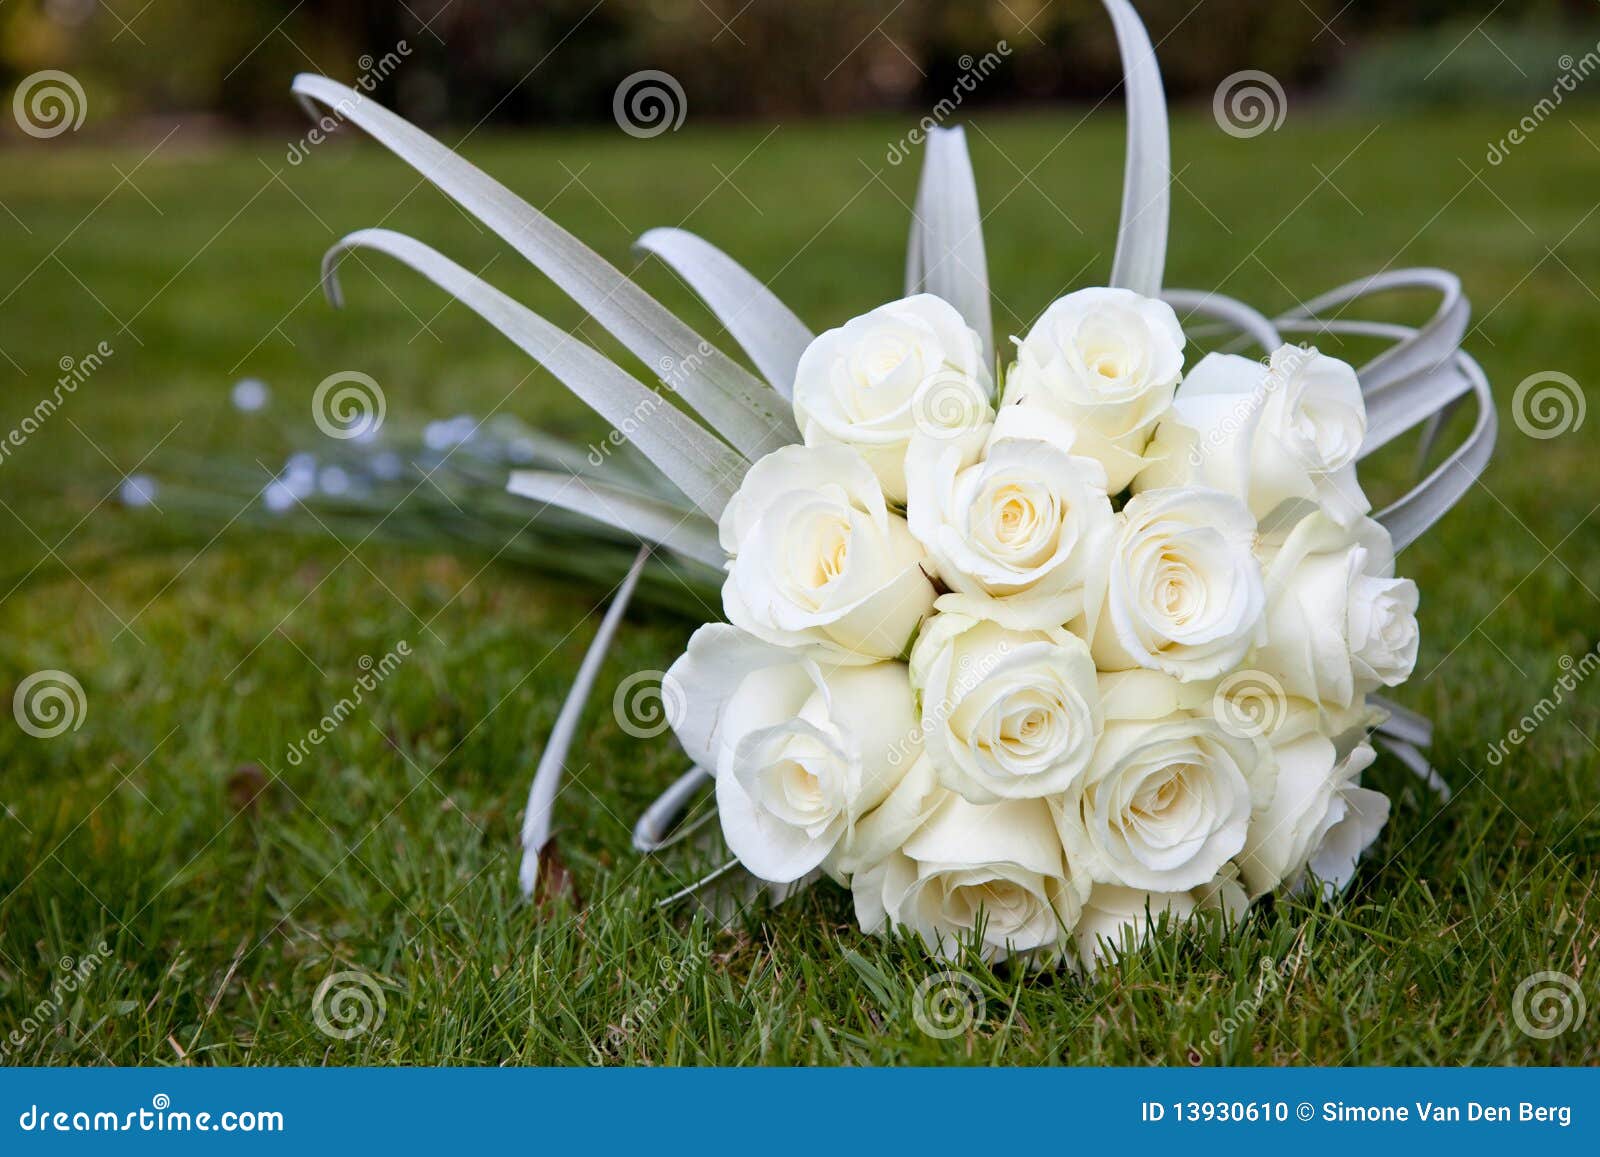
point(228, 883)
point(470, 60)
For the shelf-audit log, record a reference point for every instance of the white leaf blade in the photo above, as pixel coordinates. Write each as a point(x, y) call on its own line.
point(1228, 310)
point(552, 763)
point(1417, 763)
point(737, 405)
point(1432, 498)
point(945, 255)
point(763, 326)
point(650, 832)
point(1146, 186)
point(1403, 723)
point(691, 535)
point(706, 470)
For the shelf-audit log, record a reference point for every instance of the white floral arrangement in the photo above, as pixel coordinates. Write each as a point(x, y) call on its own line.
point(1142, 611)
point(1024, 655)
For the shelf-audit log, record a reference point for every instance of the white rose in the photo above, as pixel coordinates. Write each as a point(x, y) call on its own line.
point(1168, 797)
point(878, 379)
point(1320, 817)
point(1185, 593)
point(1020, 536)
point(818, 559)
point(800, 753)
point(1270, 435)
point(1338, 623)
point(995, 866)
point(1106, 360)
point(1116, 920)
point(1004, 714)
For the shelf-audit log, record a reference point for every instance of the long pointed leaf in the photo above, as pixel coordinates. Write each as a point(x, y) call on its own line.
point(1146, 186)
point(706, 470)
point(689, 534)
point(1421, 350)
point(1227, 310)
point(1418, 765)
point(552, 764)
point(1403, 723)
point(732, 400)
point(945, 255)
point(1432, 498)
point(767, 329)
point(650, 832)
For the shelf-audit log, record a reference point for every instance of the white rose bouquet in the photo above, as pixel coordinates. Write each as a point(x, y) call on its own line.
point(1024, 652)
point(987, 674)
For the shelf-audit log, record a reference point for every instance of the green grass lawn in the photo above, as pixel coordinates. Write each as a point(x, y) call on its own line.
point(391, 849)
